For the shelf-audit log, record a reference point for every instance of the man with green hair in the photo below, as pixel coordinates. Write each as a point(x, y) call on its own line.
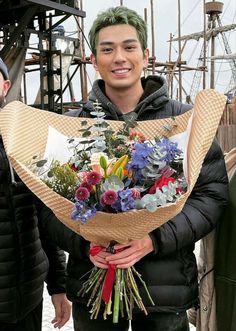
point(165, 256)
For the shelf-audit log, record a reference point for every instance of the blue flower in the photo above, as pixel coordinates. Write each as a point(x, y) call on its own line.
point(139, 156)
point(125, 201)
point(81, 212)
point(169, 150)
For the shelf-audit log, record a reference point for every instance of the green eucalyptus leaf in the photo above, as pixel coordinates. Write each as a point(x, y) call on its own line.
point(41, 163)
point(86, 134)
point(113, 183)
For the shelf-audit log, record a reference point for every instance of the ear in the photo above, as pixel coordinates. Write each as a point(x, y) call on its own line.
point(6, 87)
point(145, 57)
point(94, 62)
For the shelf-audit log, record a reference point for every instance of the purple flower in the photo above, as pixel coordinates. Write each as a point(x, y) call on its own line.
point(139, 156)
point(81, 212)
point(169, 149)
point(94, 178)
point(109, 197)
point(125, 201)
point(82, 193)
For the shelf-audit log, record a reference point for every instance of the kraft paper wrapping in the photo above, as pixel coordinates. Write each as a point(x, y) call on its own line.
point(24, 130)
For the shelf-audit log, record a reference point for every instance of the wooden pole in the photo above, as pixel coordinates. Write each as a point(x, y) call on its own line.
point(212, 76)
point(179, 58)
point(170, 73)
point(204, 46)
point(83, 73)
point(212, 79)
point(121, 2)
point(145, 15)
point(153, 38)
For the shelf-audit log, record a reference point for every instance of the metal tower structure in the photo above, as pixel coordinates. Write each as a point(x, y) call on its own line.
point(214, 27)
point(20, 19)
point(232, 60)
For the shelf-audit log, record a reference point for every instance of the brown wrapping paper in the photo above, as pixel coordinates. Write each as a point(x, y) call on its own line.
point(24, 130)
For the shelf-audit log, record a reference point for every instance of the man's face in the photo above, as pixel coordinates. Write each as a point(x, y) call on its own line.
point(4, 87)
point(120, 59)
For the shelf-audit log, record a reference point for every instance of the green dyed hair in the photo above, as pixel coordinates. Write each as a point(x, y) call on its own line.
point(114, 16)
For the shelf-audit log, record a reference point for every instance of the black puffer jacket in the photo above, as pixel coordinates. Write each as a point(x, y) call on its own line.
point(24, 265)
point(170, 271)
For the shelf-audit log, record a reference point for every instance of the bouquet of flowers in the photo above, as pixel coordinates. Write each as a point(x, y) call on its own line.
point(115, 172)
point(120, 182)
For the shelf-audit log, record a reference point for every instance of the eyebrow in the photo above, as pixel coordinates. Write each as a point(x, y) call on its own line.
point(127, 41)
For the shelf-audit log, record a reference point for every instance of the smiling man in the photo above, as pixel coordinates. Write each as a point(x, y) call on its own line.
point(120, 60)
point(164, 257)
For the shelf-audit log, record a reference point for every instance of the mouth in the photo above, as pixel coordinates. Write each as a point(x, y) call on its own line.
point(121, 71)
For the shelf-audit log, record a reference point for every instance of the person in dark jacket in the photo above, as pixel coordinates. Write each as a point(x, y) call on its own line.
point(165, 256)
point(225, 260)
point(27, 257)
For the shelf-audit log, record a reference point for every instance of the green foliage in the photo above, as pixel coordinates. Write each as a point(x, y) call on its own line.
point(62, 179)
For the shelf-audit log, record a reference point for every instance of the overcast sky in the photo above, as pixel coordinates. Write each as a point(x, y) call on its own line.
point(166, 22)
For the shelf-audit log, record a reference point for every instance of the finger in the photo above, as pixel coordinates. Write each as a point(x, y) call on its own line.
point(99, 259)
point(56, 322)
point(126, 265)
point(60, 322)
point(122, 246)
point(132, 258)
point(125, 253)
point(100, 264)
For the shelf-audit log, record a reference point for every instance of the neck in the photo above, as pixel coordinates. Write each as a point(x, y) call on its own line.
point(125, 99)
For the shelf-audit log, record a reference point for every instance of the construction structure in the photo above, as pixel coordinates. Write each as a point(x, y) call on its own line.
point(212, 28)
point(54, 52)
point(20, 19)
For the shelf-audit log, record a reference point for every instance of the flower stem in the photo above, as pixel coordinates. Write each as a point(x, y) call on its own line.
point(117, 297)
point(97, 286)
point(144, 285)
point(126, 300)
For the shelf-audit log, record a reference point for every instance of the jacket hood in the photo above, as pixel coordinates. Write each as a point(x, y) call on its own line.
point(155, 95)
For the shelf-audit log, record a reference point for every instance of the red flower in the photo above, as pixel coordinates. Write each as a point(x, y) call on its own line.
point(109, 197)
point(94, 178)
point(159, 183)
point(88, 186)
point(82, 193)
point(135, 193)
point(136, 136)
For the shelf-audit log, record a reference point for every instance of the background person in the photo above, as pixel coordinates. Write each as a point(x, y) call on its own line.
point(27, 257)
point(225, 260)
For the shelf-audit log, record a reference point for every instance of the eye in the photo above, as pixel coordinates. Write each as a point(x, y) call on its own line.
point(106, 50)
point(130, 48)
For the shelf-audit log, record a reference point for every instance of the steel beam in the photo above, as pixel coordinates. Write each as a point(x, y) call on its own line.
point(54, 5)
point(15, 35)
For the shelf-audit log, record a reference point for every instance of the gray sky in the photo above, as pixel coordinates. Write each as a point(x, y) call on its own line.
point(166, 22)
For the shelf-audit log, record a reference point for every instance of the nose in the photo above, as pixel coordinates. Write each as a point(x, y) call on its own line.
point(119, 55)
